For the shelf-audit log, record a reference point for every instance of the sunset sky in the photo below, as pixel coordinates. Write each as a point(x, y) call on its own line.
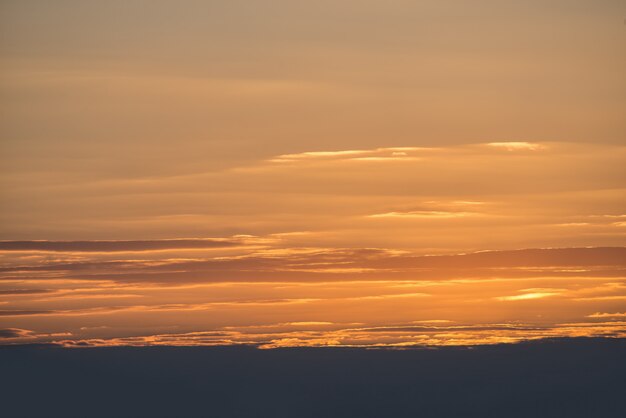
point(312, 173)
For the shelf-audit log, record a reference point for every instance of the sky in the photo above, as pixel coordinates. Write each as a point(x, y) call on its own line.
point(283, 172)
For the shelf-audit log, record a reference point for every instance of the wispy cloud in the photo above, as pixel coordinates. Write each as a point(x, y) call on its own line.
point(528, 294)
point(517, 146)
point(318, 155)
point(423, 214)
point(375, 155)
point(607, 315)
point(397, 153)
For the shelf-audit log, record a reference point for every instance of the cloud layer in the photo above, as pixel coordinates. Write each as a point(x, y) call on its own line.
point(270, 296)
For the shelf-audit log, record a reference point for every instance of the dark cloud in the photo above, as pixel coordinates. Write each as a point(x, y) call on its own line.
point(114, 246)
point(6, 312)
point(13, 332)
point(24, 291)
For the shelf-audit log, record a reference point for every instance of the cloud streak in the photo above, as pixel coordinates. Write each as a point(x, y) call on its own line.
point(331, 265)
point(115, 246)
point(423, 214)
point(517, 146)
point(374, 155)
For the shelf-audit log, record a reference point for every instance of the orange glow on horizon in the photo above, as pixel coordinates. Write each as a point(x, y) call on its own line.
point(329, 297)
